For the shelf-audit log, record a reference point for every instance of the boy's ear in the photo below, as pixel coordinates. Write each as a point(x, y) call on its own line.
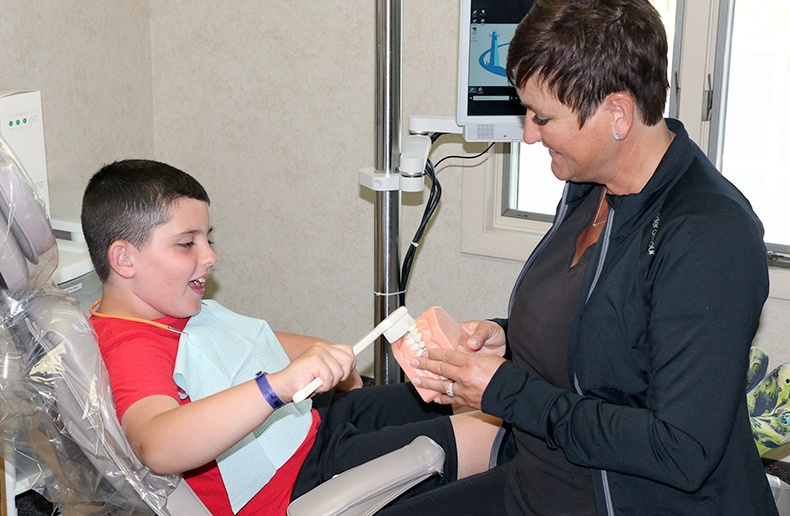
point(119, 256)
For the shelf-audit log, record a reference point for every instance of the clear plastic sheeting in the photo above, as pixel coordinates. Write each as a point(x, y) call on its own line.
point(56, 408)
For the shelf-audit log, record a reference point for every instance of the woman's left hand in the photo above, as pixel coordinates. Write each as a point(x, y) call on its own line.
point(469, 374)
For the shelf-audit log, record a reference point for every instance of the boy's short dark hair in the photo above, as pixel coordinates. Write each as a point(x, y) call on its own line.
point(585, 50)
point(127, 200)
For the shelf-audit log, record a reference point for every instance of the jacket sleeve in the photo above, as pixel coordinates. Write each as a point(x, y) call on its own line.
point(705, 295)
point(503, 323)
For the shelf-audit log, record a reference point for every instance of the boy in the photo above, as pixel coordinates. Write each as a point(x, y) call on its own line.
point(147, 227)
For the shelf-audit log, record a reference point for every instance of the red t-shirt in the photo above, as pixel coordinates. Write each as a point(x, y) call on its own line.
point(140, 359)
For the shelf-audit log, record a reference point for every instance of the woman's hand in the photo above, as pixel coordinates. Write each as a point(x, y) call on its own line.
point(332, 363)
point(469, 373)
point(485, 337)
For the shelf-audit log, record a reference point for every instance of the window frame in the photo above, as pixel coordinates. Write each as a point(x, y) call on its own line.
point(489, 226)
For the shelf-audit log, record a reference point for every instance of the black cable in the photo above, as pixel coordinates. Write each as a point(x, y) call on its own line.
point(465, 157)
point(430, 208)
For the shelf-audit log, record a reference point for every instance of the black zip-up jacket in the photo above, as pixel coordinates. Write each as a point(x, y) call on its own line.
point(658, 351)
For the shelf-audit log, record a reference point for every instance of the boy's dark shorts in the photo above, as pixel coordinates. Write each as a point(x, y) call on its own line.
point(366, 423)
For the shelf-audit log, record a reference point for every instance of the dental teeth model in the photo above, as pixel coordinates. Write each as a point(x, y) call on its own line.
point(434, 329)
point(413, 339)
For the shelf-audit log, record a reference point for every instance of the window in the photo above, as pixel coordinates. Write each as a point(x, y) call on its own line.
point(751, 120)
point(733, 96)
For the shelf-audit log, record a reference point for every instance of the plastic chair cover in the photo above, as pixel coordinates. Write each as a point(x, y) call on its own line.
point(56, 407)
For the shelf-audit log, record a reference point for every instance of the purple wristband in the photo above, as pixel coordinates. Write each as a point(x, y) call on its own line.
point(267, 391)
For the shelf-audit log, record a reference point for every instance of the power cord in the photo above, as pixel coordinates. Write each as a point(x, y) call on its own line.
point(430, 207)
point(465, 157)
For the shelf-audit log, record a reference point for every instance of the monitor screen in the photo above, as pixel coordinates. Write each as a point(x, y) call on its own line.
point(488, 107)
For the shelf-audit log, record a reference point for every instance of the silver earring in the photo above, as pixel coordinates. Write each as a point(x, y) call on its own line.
point(617, 136)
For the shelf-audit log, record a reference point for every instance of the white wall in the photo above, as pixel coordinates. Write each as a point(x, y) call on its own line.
point(271, 106)
point(92, 62)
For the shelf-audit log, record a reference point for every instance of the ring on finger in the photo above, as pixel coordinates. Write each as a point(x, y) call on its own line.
point(449, 390)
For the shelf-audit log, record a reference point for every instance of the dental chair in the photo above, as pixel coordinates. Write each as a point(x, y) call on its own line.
point(57, 410)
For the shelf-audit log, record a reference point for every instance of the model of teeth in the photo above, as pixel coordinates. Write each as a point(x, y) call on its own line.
point(414, 340)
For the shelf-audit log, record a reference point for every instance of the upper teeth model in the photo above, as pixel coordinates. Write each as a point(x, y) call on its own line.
point(414, 339)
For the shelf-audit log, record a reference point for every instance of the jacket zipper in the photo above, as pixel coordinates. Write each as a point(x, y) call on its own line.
point(604, 249)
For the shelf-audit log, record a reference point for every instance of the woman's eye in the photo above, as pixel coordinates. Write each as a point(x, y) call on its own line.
point(540, 121)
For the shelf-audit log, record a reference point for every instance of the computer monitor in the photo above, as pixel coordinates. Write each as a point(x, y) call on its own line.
point(488, 107)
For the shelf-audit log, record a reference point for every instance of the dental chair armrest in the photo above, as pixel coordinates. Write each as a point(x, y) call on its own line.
point(184, 502)
point(365, 489)
point(781, 492)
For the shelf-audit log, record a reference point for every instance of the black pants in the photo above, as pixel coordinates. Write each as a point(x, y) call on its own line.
point(479, 495)
point(363, 424)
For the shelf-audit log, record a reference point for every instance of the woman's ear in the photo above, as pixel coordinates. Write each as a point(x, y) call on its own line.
point(622, 108)
point(119, 256)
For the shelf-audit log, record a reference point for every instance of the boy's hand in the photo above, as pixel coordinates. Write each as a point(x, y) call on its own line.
point(332, 363)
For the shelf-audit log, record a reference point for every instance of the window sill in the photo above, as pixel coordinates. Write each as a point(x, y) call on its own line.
point(780, 283)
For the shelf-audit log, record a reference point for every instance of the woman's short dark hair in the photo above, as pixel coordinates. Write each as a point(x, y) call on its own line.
point(584, 50)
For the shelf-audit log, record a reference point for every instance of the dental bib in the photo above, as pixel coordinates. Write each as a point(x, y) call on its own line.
point(221, 349)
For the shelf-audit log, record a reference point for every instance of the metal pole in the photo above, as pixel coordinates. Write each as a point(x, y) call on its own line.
point(387, 203)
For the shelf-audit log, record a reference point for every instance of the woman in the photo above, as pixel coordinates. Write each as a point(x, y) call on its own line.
point(622, 364)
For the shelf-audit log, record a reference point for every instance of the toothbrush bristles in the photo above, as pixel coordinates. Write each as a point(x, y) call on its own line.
point(399, 328)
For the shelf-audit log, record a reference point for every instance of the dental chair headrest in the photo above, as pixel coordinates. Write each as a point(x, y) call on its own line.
point(25, 232)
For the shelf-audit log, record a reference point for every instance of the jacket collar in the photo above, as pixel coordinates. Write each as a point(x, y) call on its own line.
point(633, 211)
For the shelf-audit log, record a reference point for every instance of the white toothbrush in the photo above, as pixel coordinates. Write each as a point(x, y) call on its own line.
point(395, 326)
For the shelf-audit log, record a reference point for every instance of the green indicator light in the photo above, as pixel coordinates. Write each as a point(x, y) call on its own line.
point(24, 120)
point(10, 123)
point(17, 122)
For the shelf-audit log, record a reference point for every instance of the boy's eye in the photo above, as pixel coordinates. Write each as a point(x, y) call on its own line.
point(187, 245)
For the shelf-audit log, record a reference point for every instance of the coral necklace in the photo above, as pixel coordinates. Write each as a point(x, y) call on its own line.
point(94, 313)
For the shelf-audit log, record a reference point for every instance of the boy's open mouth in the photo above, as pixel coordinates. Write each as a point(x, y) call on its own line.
point(199, 283)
